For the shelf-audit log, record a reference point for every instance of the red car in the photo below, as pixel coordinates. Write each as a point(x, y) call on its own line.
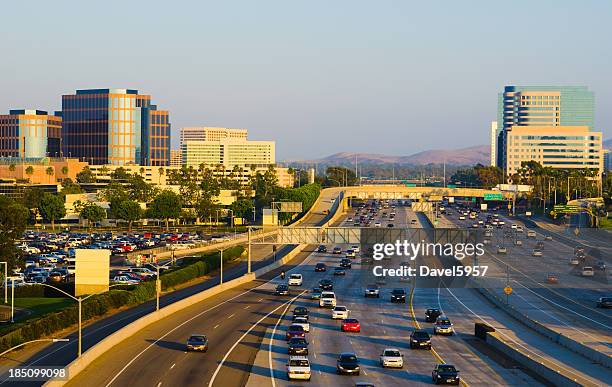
point(350, 325)
point(295, 331)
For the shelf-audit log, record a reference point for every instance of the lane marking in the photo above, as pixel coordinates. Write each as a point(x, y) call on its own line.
point(159, 384)
point(231, 315)
point(247, 307)
point(260, 300)
point(212, 380)
point(173, 364)
point(216, 326)
point(272, 340)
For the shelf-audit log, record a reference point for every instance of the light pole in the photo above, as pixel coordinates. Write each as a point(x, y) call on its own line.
point(221, 266)
point(5, 281)
point(31, 341)
point(77, 299)
point(249, 251)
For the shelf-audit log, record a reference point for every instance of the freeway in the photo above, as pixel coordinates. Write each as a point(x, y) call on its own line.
point(61, 354)
point(383, 325)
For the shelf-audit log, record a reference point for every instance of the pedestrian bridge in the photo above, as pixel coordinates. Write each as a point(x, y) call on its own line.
point(389, 191)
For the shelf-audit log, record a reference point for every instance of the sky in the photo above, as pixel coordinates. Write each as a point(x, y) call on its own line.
point(318, 77)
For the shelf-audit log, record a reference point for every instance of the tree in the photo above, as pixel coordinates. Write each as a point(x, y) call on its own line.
point(161, 173)
point(86, 176)
point(242, 208)
point(12, 167)
point(31, 197)
point(52, 208)
point(138, 189)
point(29, 170)
point(50, 172)
point(92, 213)
point(70, 187)
point(166, 205)
point(120, 174)
point(65, 170)
point(127, 210)
point(13, 221)
point(489, 176)
point(340, 176)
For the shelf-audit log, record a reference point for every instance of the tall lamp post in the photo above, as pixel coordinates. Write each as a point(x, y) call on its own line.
point(5, 281)
point(221, 265)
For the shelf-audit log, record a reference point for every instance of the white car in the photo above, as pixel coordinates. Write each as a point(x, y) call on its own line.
point(574, 261)
point(514, 226)
point(377, 224)
point(124, 279)
point(143, 271)
point(303, 322)
point(355, 248)
point(295, 280)
point(536, 253)
point(518, 242)
point(501, 250)
point(391, 357)
point(587, 271)
point(548, 238)
point(328, 299)
point(531, 234)
point(298, 367)
point(462, 217)
point(340, 312)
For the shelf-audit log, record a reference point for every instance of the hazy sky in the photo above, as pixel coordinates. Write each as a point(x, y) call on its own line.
point(318, 77)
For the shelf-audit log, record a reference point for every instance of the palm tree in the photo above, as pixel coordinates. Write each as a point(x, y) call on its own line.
point(50, 172)
point(65, 170)
point(29, 170)
point(12, 167)
point(103, 170)
point(142, 171)
point(161, 173)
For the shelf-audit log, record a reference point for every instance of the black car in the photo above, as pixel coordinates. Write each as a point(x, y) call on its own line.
point(322, 249)
point(432, 314)
point(420, 339)
point(197, 343)
point(326, 284)
point(604, 302)
point(339, 271)
point(282, 290)
point(347, 363)
point(346, 263)
point(298, 346)
point(300, 311)
point(445, 374)
point(320, 267)
point(398, 295)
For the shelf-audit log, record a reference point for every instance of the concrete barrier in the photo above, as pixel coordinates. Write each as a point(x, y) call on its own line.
point(551, 375)
point(122, 334)
point(571, 344)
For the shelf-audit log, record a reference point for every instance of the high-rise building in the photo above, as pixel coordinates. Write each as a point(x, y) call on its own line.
point(606, 163)
point(541, 106)
point(115, 126)
point(228, 152)
point(28, 133)
point(206, 133)
point(562, 147)
point(493, 140)
point(176, 158)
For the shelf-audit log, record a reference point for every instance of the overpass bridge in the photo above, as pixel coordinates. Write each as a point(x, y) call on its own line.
point(392, 191)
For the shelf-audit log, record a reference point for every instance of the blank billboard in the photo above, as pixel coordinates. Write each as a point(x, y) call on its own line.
point(91, 273)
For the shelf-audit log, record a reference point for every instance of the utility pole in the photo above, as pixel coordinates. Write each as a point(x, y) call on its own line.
point(249, 250)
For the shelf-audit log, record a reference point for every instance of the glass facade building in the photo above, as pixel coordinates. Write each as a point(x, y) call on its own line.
point(30, 134)
point(542, 106)
point(115, 126)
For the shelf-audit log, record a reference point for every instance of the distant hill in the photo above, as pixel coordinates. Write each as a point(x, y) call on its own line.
point(464, 156)
point(607, 144)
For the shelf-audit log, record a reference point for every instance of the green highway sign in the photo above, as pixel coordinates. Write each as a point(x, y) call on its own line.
point(451, 186)
point(568, 209)
point(494, 196)
point(410, 185)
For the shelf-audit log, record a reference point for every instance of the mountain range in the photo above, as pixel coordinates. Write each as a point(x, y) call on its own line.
point(464, 156)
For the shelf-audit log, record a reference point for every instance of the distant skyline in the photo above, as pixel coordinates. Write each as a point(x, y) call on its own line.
point(389, 77)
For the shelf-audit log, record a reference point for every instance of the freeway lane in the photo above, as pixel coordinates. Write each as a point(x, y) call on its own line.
point(384, 325)
point(63, 353)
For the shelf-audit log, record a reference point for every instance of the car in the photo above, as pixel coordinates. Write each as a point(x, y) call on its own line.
point(587, 271)
point(143, 271)
point(197, 343)
point(391, 357)
point(337, 250)
point(432, 314)
point(356, 248)
point(319, 267)
point(501, 250)
point(297, 346)
point(298, 367)
point(413, 221)
point(347, 363)
point(300, 311)
point(443, 326)
point(340, 312)
point(303, 321)
point(315, 293)
point(327, 299)
point(519, 229)
point(295, 330)
point(322, 249)
point(398, 295)
point(514, 226)
point(461, 217)
point(350, 254)
point(372, 291)
point(531, 234)
point(445, 373)
point(536, 253)
point(420, 339)
point(350, 325)
point(282, 290)
point(552, 279)
point(124, 280)
point(601, 265)
point(295, 279)
point(346, 263)
point(574, 261)
point(548, 238)
point(377, 224)
point(339, 271)
point(604, 302)
point(518, 242)
point(390, 225)
point(326, 284)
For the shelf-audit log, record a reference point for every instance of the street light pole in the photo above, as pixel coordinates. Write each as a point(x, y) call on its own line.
point(80, 300)
point(12, 300)
point(249, 251)
point(5, 281)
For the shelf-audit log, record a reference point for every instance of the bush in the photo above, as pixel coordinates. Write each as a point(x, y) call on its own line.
point(100, 304)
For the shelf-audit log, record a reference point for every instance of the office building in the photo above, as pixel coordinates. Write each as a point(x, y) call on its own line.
point(228, 152)
point(563, 147)
point(115, 126)
point(176, 159)
point(30, 134)
point(493, 139)
point(212, 134)
point(541, 106)
point(606, 156)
